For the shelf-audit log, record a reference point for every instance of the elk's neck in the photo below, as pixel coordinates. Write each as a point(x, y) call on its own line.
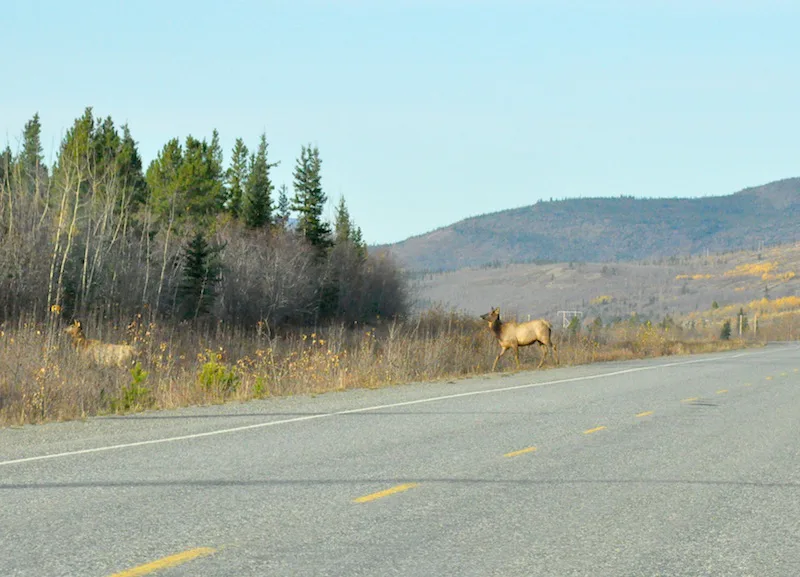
point(497, 327)
point(79, 341)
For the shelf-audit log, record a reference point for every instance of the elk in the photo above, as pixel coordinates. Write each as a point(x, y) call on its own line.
point(99, 352)
point(512, 335)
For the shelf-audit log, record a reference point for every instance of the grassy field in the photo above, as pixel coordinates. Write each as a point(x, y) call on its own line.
point(653, 289)
point(43, 378)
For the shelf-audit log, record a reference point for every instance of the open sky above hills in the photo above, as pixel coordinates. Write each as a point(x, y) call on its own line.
point(429, 112)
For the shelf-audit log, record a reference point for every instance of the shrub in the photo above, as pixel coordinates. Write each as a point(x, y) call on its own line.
point(216, 376)
point(725, 333)
point(134, 396)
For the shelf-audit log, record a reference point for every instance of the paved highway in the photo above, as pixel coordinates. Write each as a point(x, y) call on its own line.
point(672, 466)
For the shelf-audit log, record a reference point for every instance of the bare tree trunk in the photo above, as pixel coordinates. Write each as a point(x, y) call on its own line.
point(70, 236)
point(148, 252)
point(57, 246)
point(166, 247)
point(82, 294)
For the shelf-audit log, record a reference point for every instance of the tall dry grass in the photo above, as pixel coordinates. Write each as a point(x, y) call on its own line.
point(43, 379)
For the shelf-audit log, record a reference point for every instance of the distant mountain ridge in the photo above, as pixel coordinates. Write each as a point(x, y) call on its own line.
point(610, 229)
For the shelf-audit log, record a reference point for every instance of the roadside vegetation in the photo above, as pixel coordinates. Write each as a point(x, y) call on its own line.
point(230, 288)
point(42, 379)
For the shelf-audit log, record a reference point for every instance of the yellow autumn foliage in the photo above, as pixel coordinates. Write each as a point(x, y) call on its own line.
point(752, 269)
point(602, 300)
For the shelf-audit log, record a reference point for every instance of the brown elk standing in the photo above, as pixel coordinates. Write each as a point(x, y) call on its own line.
point(512, 335)
point(100, 353)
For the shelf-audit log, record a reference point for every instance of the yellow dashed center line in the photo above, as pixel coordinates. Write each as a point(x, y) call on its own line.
point(748, 384)
point(644, 414)
point(689, 400)
point(590, 431)
point(386, 493)
point(768, 378)
point(520, 452)
point(170, 561)
point(722, 391)
point(784, 374)
point(795, 370)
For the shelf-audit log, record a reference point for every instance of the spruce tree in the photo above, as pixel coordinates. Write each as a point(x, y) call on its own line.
point(309, 199)
point(76, 154)
point(342, 227)
point(31, 159)
point(106, 142)
point(237, 178)
point(346, 233)
point(215, 161)
point(201, 273)
point(187, 182)
point(725, 333)
point(129, 168)
point(358, 243)
point(200, 180)
point(6, 166)
point(162, 180)
point(282, 217)
point(258, 191)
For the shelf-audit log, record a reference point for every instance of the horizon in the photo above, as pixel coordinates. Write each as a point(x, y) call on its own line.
point(429, 113)
point(543, 200)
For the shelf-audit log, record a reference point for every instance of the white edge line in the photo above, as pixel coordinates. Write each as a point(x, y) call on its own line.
point(366, 409)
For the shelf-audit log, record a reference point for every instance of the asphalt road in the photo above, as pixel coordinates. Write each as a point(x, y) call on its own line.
point(672, 466)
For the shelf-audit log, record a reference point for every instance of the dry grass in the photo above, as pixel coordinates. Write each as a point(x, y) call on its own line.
point(42, 378)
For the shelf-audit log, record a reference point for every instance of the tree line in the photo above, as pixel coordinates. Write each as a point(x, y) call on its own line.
point(187, 238)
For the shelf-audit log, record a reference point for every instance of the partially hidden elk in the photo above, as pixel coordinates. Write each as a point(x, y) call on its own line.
point(105, 354)
point(512, 335)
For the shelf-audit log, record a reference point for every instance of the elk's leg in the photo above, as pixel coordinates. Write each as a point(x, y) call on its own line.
point(555, 352)
point(543, 349)
point(502, 352)
point(516, 356)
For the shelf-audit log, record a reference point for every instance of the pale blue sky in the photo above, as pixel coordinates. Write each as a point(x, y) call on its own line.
point(427, 112)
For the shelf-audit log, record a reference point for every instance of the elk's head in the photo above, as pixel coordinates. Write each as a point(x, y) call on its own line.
point(75, 329)
point(491, 316)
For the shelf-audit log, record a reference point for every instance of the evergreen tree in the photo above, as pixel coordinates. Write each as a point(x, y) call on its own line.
point(309, 200)
point(200, 180)
point(258, 191)
point(346, 233)
point(31, 159)
point(31, 155)
point(215, 162)
point(72, 170)
point(6, 166)
point(237, 178)
point(725, 333)
point(106, 144)
point(162, 180)
point(359, 243)
point(187, 182)
point(129, 168)
point(201, 273)
point(342, 228)
point(282, 218)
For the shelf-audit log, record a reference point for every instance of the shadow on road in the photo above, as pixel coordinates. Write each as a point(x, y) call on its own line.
point(222, 483)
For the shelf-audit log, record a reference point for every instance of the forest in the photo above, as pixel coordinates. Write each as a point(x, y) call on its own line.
point(203, 282)
point(190, 237)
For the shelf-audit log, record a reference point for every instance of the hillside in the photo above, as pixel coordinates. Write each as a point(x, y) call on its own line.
point(651, 289)
point(611, 230)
